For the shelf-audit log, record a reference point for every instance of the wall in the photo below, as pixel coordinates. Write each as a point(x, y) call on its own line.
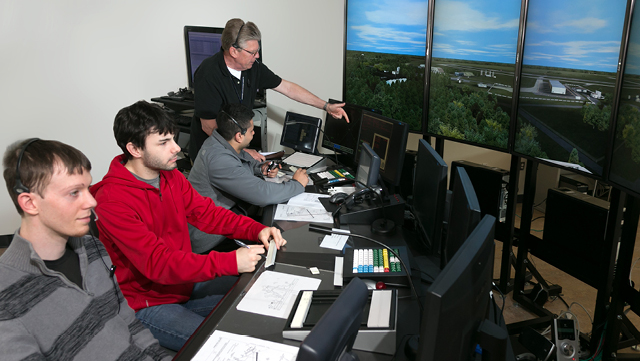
point(67, 67)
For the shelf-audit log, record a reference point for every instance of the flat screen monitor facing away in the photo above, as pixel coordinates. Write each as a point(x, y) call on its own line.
point(429, 193)
point(368, 167)
point(200, 43)
point(334, 334)
point(457, 303)
point(465, 214)
point(342, 137)
point(301, 132)
point(388, 138)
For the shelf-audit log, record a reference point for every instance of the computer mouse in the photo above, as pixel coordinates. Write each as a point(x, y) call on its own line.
point(338, 198)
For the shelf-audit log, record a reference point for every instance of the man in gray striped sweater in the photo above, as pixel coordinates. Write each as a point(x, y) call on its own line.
point(58, 297)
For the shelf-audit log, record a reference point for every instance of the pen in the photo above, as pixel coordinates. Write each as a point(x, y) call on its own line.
point(241, 244)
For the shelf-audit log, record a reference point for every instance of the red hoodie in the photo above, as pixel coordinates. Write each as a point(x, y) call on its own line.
point(145, 232)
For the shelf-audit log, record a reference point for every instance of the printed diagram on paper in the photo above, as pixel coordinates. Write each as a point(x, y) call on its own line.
point(274, 293)
point(225, 346)
point(302, 214)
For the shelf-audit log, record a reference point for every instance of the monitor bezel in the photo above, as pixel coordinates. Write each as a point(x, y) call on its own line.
point(374, 166)
point(398, 126)
point(188, 29)
point(316, 122)
point(426, 153)
point(447, 286)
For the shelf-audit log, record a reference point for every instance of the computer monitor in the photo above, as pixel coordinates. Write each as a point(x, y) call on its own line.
point(200, 43)
point(429, 194)
point(368, 167)
point(456, 307)
point(388, 138)
point(342, 137)
point(301, 132)
point(464, 214)
point(334, 334)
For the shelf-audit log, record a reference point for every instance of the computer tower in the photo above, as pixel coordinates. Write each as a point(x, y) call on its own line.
point(574, 236)
point(491, 186)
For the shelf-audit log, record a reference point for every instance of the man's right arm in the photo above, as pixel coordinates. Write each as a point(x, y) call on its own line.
point(151, 255)
point(208, 125)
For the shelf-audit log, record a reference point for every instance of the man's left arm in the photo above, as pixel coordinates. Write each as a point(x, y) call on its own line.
point(302, 95)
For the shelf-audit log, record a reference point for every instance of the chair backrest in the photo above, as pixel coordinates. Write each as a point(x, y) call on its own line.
point(5, 240)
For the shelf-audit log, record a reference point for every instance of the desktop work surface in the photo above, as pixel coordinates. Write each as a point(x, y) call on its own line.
point(302, 252)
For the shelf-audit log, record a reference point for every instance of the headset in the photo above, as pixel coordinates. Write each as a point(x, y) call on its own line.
point(235, 43)
point(242, 130)
point(20, 188)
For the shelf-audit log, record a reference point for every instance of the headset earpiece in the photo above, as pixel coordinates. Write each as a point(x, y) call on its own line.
point(20, 188)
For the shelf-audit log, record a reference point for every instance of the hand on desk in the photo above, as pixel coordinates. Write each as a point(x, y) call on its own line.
point(247, 258)
point(301, 176)
point(255, 154)
point(269, 233)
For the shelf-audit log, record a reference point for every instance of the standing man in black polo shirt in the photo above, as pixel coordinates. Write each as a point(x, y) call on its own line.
point(233, 75)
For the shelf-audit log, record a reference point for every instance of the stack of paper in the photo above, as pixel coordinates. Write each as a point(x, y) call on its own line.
point(305, 207)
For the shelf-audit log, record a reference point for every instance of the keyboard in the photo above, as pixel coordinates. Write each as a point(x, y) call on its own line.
point(375, 263)
point(333, 173)
point(378, 260)
point(182, 119)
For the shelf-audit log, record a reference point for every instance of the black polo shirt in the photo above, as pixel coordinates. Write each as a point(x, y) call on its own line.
point(214, 86)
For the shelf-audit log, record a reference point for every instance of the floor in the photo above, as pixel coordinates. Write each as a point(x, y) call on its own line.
point(580, 296)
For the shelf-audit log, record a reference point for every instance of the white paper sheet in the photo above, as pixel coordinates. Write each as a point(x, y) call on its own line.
point(310, 200)
point(347, 190)
point(302, 160)
point(225, 346)
point(334, 241)
point(281, 178)
point(302, 214)
point(274, 293)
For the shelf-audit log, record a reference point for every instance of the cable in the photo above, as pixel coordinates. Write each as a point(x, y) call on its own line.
point(504, 300)
point(631, 271)
point(544, 200)
point(316, 228)
point(585, 310)
point(110, 270)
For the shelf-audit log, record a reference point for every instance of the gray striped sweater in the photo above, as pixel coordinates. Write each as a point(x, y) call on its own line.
point(44, 316)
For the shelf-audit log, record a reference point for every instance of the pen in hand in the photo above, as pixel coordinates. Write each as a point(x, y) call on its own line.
point(241, 244)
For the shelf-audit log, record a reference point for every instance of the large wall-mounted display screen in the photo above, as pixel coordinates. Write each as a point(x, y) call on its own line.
point(385, 57)
point(568, 80)
point(472, 70)
point(625, 159)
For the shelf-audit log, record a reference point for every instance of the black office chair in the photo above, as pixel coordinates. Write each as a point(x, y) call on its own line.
point(5, 240)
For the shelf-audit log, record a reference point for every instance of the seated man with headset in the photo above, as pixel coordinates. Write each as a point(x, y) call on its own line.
point(58, 293)
point(231, 177)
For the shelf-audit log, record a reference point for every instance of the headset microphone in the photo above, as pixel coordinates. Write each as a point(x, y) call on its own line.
point(95, 215)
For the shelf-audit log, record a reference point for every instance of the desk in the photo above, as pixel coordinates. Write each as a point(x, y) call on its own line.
point(303, 251)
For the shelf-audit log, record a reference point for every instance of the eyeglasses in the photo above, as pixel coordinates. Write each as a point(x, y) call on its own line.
point(235, 44)
point(253, 53)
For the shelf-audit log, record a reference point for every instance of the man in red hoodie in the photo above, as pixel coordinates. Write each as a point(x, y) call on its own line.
point(144, 205)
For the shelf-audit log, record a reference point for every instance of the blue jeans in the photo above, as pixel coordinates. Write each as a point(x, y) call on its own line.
point(173, 324)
